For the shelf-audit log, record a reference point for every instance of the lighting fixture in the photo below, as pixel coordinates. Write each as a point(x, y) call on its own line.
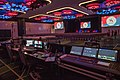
point(15, 7)
point(110, 3)
point(49, 1)
point(86, 2)
point(5, 17)
point(43, 15)
point(109, 11)
point(93, 5)
point(67, 8)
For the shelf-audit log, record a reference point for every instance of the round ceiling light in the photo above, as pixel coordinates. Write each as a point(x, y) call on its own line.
point(110, 3)
point(93, 5)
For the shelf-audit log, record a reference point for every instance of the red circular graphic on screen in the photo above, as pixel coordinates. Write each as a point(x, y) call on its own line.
point(85, 24)
point(111, 20)
point(59, 25)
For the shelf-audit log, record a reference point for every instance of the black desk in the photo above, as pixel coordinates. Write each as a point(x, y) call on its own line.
point(37, 54)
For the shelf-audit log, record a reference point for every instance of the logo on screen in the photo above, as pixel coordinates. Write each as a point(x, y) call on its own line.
point(111, 20)
point(85, 24)
point(58, 25)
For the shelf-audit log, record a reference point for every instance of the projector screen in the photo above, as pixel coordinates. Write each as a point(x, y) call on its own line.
point(58, 25)
point(107, 21)
point(84, 25)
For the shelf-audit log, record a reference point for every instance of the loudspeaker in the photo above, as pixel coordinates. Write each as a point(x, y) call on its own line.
point(21, 27)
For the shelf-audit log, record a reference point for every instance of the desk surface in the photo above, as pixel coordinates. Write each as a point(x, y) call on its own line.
point(26, 49)
point(15, 49)
point(42, 56)
point(38, 55)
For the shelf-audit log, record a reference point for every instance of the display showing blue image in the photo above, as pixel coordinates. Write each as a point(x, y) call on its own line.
point(38, 44)
point(113, 20)
point(90, 52)
point(76, 50)
point(107, 54)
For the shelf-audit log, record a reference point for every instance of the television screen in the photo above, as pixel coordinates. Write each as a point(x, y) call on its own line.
point(58, 25)
point(110, 21)
point(76, 50)
point(90, 52)
point(107, 54)
point(29, 42)
point(85, 25)
point(38, 44)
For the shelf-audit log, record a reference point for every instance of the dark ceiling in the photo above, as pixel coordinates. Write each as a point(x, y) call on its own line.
point(35, 8)
point(103, 7)
point(13, 8)
point(56, 4)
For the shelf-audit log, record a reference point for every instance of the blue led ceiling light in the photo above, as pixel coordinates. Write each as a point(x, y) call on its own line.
point(15, 7)
point(109, 11)
point(2, 12)
point(15, 1)
point(69, 17)
point(4, 17)
point(46, 20)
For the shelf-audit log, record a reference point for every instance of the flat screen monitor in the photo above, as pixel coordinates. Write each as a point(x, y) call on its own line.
point(29, 43)
point(105, 54)
point(76, 50)
point(38, 44)
point(45, 45)
point(90, 52)
point(58, 25)
point(84, 25)
point(107, 21)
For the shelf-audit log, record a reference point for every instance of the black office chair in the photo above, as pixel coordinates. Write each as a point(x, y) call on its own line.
point(27, 65)
point(9, 50)
point(10, 54)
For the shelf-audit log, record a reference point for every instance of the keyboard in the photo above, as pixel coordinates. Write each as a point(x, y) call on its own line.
point(50, 59)
point(103, 63)
point(69, 59)
point(40, 52)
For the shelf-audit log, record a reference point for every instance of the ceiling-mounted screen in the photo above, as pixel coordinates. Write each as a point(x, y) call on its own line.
point(58, 25)
point(107, 54)
point(76, 50)
point(90, 52)
point(107, 21)
point(84, 25)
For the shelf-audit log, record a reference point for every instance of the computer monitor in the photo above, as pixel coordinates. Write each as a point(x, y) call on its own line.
point(29, 43)
point(38, 44)
point(90, 52)
point(106, 54)
point(76, 50)
point(45, 45)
